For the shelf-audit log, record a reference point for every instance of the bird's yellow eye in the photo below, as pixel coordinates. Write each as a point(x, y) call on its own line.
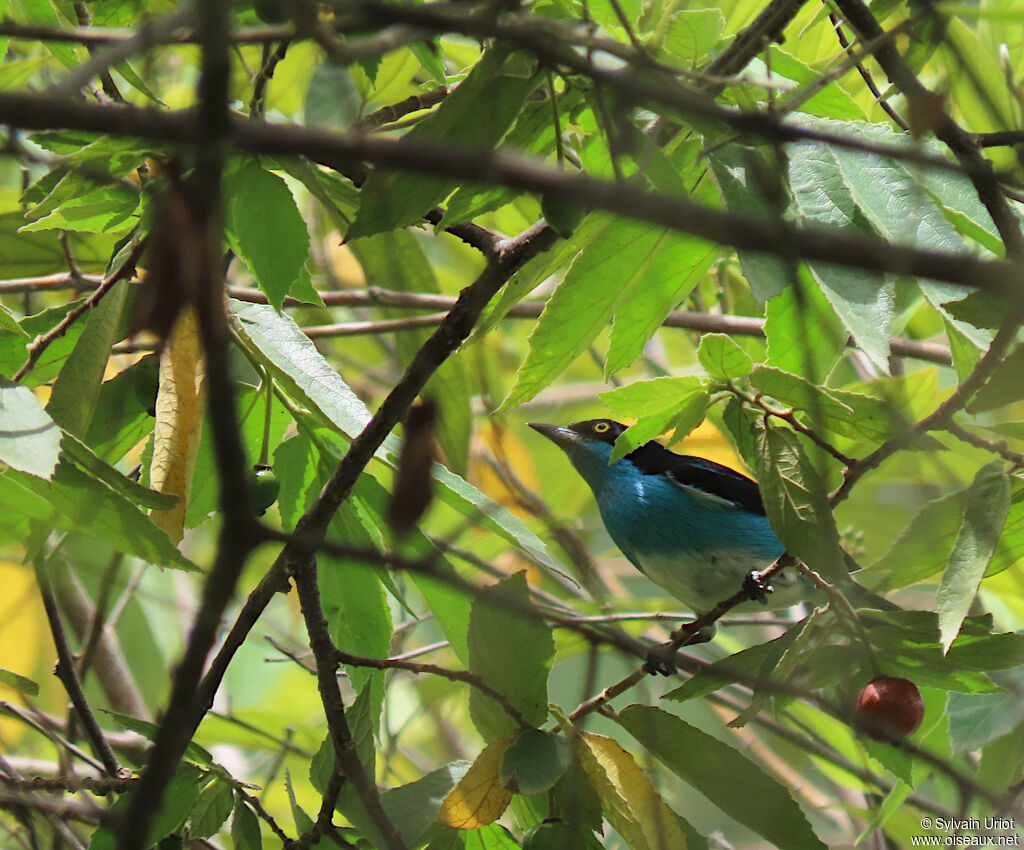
point(601, 427)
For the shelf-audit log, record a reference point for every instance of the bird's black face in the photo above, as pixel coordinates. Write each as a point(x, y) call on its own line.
point(603, 430)
point(580, 433)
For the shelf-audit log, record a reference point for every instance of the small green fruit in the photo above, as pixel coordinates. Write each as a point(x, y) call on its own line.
point(263, 489)
point(563, 216)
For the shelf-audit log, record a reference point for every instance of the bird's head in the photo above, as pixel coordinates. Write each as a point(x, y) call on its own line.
point(588, 444)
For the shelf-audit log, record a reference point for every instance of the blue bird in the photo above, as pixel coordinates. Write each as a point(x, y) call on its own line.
point(694, 527)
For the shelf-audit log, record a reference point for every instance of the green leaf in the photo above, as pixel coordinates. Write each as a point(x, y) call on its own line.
point(601, 279)
point(479, 112)
point(534, 762)
point(533, 132)
point(149, 731)
point(795, 501)
point(430, 58)
point(512, 653)
point(86, 504)
point(978, 719)
point(740, 174)
point(985, 511)
point(722, 358)
point(1003, 385)
point(75, 392)
point(178, 801)
point(12, 346)
point(833, 101)
point(295, 467)
point(45, 13)
point(120, 420)
point(303, 822)
point(922, 548)
point(245, 827)
point(105, 210)
point(672, 275)
point(658, 405)
point(541, 267)
point(413, 807)
point(30, 254)
point(212, 809)
point(29, 438)
point(397, 261)
point(354, 600)
point(893, 198)
point(265, 229)
point(339, 198)
point(20, 683)
point(78, 452)
point(754, 662)
point(308, 378)
point(862, 300)
point(733, 783)
point(805, 336)
point(691, 33)
point(823, 407)
point(630, 802)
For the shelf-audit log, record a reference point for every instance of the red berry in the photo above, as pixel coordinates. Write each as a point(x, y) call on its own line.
point(893, 704)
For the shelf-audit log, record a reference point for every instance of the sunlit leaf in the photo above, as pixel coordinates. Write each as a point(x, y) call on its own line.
point(479, 798)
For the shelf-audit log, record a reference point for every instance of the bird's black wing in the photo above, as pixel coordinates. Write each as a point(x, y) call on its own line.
point(706, 475)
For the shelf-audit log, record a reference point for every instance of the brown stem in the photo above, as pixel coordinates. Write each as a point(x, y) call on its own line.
point(67, 672)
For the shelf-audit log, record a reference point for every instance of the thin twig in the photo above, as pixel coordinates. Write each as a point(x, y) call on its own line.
point(41, 343)
point(941, 416)
point(932, 352)
point(679, 637)
point(865, 74)
point(271, 58)
point(67, 672)
point(50, 733)
point(998, 447)
point(418, 668)
point(396, 111)
point(347, 762)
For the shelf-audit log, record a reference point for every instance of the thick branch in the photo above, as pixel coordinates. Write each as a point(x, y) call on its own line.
point(500, 167)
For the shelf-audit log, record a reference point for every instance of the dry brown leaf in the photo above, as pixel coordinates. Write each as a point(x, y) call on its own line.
point(179, 421)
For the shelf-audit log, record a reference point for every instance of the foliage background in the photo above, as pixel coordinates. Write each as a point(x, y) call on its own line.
point(738, 165)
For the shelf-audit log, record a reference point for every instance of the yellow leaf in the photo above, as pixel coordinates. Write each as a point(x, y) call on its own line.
point(179, 421)
point(629, 800)
point(479, 798)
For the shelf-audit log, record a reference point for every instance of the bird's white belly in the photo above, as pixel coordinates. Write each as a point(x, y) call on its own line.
point(701, 580)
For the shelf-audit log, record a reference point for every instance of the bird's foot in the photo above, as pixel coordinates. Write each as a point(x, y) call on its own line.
point(757, 588)
point(661, 659)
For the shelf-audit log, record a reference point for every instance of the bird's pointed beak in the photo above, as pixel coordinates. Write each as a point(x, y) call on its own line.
point(561, 437)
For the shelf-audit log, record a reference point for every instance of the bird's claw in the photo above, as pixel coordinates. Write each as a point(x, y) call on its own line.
point(661, 659)
point(757, 588)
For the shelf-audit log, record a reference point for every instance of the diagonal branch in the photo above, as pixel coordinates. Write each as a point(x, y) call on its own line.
point(67, 672)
